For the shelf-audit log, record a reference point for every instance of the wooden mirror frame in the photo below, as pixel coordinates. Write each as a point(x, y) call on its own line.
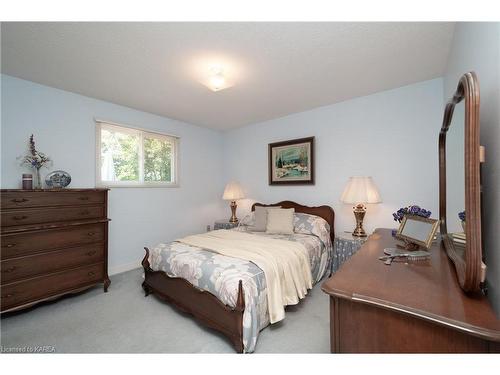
point(468, 268)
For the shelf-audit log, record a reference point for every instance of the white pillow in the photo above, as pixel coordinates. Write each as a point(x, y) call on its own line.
point(261, 218)
point(280, 221)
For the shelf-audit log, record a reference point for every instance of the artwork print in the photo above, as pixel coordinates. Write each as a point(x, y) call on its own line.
point(291, 162)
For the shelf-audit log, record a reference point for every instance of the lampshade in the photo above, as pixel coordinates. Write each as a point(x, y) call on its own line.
point(233, 191)
point(360, 190)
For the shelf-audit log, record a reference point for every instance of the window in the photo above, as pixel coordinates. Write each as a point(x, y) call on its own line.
point(131, 157)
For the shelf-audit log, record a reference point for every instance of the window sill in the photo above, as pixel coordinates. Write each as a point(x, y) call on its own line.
point(158, 185)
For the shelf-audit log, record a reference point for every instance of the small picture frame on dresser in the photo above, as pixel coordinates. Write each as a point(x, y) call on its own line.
point(417, 231)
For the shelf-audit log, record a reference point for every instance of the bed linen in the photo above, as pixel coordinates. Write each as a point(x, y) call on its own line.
point(220, 274)
point(285, 263)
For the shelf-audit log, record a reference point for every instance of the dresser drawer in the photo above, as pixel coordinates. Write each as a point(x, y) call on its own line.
point(50, 198)
point(22, 292)
point(36, 265)
point(26, 243)
point(47, 215)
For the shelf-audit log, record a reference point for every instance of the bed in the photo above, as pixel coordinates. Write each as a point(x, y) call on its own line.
point(229, 294)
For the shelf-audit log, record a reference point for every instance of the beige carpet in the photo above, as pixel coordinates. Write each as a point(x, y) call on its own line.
point(124, 321)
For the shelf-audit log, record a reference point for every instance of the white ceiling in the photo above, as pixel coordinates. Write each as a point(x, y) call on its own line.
point(277, 68)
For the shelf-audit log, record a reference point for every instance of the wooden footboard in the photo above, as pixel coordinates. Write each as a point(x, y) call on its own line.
point(203, 305)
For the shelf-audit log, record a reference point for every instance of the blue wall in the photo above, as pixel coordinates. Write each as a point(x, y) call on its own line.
point(391, 136)
point(64, 128)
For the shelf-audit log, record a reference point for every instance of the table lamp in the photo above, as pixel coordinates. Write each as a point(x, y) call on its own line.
point(232, 192)
point(358, 191)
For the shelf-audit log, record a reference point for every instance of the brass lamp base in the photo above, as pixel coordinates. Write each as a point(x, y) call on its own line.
point(233, 218)
point(359, 213)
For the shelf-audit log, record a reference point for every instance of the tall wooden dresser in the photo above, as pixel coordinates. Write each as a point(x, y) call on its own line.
point(53, 242)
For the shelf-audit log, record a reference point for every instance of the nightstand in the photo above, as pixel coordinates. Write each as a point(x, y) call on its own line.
point(224, 224)
point(344, 246)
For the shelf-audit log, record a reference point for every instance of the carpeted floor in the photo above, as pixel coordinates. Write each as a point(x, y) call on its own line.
point(124, 321)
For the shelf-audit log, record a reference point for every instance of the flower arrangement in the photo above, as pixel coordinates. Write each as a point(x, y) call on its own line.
point(461, 216)
point(36, 160)
point(410, 210)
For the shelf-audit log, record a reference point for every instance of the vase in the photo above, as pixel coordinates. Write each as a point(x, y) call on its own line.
point(38, 182)
point(463, 225)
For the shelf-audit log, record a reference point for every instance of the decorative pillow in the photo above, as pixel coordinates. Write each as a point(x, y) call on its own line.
point(280, 221)
point(248, 219)
point(312, 224)
point(261, 218)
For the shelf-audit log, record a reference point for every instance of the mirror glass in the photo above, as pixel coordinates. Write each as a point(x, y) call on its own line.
point(417, 229)
point(455, 179)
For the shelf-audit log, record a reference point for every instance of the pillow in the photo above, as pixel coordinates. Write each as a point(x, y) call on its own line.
point(261, 218)
point(248, 219)
point(280, 221)
point(312, 224)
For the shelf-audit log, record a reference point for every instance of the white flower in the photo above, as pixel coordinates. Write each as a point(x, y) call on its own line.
point(226, 282)
point(186, 265)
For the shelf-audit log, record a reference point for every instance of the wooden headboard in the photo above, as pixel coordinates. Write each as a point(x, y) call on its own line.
point(326, 212)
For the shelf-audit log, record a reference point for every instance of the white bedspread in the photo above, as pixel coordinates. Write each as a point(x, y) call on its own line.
point(285, 263)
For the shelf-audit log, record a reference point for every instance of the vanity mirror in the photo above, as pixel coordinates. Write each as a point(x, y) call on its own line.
point(417, 231)
point(459, 183)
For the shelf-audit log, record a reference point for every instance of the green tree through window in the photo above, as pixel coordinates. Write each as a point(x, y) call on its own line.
point(135, 157)
point(157, 160)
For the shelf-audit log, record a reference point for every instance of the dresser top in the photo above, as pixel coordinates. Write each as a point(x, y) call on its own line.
point(50, 190)
point(426, 289)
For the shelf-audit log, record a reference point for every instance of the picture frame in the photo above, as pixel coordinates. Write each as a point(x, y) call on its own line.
point(291, 162)
point(417, 230)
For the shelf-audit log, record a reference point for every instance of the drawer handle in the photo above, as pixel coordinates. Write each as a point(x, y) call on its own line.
point(84, 212)
point(19, 200)
point(8, 295)
point(90, 233)
point(10, 269)
point(91, 273)
point(90, 253)
point(83, 198)
point(20, 217)
point(11, 245)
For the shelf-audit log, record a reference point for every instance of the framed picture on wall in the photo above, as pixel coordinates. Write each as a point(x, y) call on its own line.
point(292, 162)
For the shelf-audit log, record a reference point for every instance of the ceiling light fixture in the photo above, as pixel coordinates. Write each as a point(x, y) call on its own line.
point(217, 80)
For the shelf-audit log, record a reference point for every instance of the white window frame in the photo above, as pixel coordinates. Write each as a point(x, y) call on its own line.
point(142, 133)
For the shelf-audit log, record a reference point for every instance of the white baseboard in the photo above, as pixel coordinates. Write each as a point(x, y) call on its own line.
point(124, 268)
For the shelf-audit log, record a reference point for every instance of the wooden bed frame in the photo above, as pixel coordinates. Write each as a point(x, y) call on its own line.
point(205, 306)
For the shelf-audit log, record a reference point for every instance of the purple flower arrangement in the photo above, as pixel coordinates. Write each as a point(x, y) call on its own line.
point(410, 210)
point(36, 160)
point(461, 216)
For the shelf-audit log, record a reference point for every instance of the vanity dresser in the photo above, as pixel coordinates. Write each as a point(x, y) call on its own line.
point(53, 242)
point(407, 307)
point(435, 305)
